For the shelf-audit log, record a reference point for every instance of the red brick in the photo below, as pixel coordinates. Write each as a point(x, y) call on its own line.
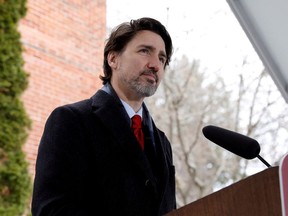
point(63, 53)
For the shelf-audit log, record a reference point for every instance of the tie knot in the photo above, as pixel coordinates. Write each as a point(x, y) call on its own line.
point(136, 122)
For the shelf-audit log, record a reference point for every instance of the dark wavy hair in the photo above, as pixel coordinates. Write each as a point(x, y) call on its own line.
point(125, 32)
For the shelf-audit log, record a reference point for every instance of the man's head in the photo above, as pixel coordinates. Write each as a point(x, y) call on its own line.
point(125, 32)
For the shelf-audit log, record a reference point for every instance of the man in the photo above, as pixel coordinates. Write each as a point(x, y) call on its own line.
point(89, 161)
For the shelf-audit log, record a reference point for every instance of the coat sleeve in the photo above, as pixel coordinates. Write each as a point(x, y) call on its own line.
point(59, 165)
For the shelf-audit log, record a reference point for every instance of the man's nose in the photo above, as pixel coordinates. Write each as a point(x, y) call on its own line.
point(154, 63)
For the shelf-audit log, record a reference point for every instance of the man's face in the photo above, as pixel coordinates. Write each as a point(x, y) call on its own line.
point(139, 68)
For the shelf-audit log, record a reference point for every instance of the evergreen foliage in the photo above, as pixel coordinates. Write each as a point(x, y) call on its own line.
point(15, 185)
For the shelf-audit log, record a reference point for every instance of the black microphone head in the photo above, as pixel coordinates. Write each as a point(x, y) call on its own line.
point(239, 144)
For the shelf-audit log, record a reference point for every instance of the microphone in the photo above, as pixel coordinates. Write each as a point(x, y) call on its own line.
point(236, 143)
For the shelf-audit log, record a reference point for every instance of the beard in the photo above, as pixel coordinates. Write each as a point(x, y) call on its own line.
point(143, 89)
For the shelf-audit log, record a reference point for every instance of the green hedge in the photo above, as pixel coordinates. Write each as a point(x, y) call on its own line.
point(15, 183)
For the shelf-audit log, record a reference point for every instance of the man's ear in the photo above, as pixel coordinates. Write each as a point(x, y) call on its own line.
point(112, 59)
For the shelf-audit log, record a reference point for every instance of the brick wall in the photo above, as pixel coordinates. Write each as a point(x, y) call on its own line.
point(63, 42)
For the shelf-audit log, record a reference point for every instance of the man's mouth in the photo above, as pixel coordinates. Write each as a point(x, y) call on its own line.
point(151, 76)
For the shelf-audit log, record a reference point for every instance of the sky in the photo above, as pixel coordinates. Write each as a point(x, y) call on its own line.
point(205, 30)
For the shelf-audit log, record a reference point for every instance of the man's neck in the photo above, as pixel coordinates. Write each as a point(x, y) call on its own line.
point(129, 97)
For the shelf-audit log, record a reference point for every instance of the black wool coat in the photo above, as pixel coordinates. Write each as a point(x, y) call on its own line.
point(89, 163)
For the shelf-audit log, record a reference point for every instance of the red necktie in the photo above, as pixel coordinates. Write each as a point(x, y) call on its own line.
point(137, 128)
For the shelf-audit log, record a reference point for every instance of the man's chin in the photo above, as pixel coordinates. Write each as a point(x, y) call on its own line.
point(149, 90)
point(146, 89)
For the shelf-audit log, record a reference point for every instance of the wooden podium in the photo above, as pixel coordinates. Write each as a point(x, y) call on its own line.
point(255, 195)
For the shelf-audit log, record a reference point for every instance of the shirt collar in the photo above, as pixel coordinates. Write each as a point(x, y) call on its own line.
point(130, 110)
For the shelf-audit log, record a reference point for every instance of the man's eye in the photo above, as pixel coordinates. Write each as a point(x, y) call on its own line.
point(144, 50)
point(162, 60)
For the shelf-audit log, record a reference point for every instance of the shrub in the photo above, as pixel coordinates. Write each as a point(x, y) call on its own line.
point(15, 184)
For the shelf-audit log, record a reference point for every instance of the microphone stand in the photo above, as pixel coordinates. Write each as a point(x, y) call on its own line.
point(263, 161)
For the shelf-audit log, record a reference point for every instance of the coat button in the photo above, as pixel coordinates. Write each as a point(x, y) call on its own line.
point(147, 183)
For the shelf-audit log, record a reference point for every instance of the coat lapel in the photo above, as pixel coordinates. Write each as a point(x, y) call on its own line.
point(158, 141)
point(111, 112)
point(161, 155)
